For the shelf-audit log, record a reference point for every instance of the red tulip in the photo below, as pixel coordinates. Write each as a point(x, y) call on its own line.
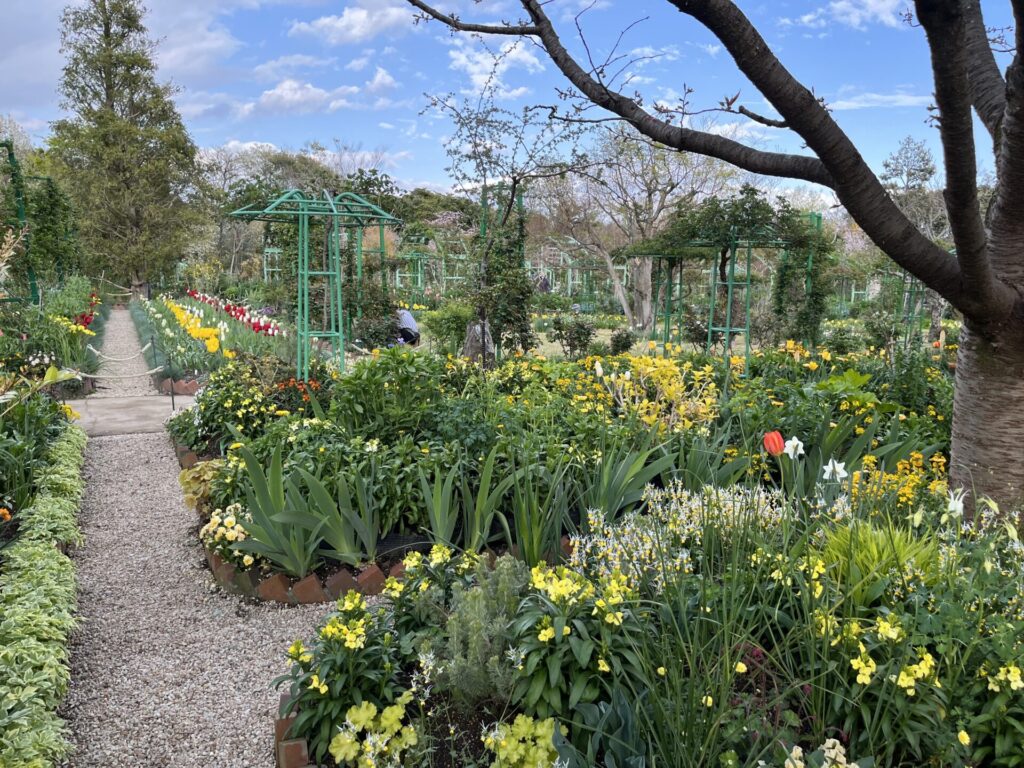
point(773, 443)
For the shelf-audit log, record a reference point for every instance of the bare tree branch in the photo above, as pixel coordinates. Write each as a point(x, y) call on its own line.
point(988, 89)
point(485, 29)
point(761, 118)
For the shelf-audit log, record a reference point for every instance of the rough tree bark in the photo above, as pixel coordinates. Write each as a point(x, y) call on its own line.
point(984, 280)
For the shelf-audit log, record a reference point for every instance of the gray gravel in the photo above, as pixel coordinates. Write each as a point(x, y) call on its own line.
point(120, 341)
point(165, 671)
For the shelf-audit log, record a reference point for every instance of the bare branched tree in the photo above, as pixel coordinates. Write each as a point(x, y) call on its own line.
point(984, 278)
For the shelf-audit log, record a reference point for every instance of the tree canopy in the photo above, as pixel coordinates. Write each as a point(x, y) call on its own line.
point(127, 158)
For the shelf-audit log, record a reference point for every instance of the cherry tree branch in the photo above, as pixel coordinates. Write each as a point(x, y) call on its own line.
point(945, 26)
point(988, 89)
point(484, 29)
point(1007, 213)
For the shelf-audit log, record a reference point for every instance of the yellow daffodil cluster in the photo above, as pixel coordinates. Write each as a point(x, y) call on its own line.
point(372, 738)
point(525, 743)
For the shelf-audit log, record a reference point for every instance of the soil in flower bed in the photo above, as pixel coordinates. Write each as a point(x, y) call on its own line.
point(455, 733)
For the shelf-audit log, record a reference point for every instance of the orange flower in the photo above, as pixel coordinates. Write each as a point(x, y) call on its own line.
point(773, 443)
point(5, 515)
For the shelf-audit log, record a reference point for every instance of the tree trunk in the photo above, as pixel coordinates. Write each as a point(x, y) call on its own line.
point(936, 308)
point(988, 418)
point(643, 306)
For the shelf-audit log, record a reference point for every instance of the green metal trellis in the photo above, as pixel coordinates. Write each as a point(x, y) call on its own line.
point(346, 217)
point(18, 186)
point(271, 263)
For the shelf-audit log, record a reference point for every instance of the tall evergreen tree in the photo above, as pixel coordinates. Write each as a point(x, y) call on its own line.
point(128, 158)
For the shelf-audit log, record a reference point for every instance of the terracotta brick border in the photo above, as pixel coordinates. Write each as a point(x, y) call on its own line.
point(278, 588)
point(179, 386)
point(289, 753)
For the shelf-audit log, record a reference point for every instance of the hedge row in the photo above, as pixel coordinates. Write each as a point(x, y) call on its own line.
point(37, 604)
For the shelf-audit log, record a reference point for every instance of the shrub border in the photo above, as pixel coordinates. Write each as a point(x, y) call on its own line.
point(37, 604)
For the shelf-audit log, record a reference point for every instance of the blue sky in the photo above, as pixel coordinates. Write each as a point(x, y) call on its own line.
point(360, 71)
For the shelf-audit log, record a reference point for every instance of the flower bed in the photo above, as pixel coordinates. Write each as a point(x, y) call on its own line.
point(255, 321)
point(37, 600)
point(722, 628)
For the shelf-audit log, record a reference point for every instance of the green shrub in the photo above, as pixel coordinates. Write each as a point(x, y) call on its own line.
point(573, 333)
point(622, 341)
point(477, 667)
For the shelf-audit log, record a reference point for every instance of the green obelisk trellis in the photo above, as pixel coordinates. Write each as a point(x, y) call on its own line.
point(345, 217)
point(18, 187)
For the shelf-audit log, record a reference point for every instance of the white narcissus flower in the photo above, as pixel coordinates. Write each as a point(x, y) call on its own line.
point(793, 448)
point(955, 505)
point(835, 470)
point(598, 370)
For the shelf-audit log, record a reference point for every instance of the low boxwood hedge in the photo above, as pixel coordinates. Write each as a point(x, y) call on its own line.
point(37, 604)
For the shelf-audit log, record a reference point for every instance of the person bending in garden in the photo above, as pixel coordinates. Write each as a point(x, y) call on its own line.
point(408, 331)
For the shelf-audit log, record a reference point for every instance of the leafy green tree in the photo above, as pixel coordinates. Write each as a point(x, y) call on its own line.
point(124, 152)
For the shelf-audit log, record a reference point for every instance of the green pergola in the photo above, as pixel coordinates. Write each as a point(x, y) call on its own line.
point(346, 218)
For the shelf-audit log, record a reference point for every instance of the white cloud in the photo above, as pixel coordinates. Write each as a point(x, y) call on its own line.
point(234, 146)
point(485, 68)
point(288, 65)
point(853, 13)
point(195, 105)
point(858, 13)
point(386, 126)
point(358, 65)
point(382, 81)
point(869, 100)
point(357, 23)
point(647, 54)
point(710, 49)
point(296, 97)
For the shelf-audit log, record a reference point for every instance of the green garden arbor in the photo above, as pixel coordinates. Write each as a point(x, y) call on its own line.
point(348, 223)
point(735, 286)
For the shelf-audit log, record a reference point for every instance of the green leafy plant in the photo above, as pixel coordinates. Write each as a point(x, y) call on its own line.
point(442, 503)
point(281, 529)
point(481, 505)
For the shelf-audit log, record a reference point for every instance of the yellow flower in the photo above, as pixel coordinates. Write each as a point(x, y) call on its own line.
point(393, 587)
point(708, 701)
point(546, 634)
point(662, 671)
point(741, 668)
point(964, 738)
point(602, 666)
point(247, 561)
point(316, 684)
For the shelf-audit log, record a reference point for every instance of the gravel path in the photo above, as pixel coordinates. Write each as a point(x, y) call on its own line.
point(120, 341)
point(164, 672)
